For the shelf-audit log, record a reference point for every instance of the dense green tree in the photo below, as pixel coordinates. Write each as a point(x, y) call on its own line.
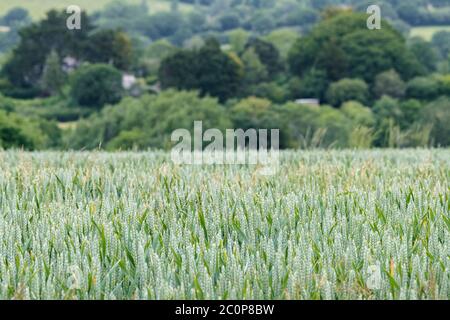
point(411, 112)
point(152, 55)
point(96, 85)
point(387, 108)
point(196, 21)
point(218, 73)
point(346, 90)
point(229, 21)
point(179, 70)
point(370, 53)
point(423, 88)
point(238, 39)
point(282, 39)
point(441, 40)
point(410, 12)
point(261, 22)
point(53, 77)
point(132, 18)
point(301, 16)
point(268, 54)
point(164, 24)
point(354, 51)
point(25, 67)
point(444, 84)
point(209, 70)
point(389, 83)
point(110, 46)
point(272, 90)
point(255, 71)
point(313, 84)
point(333, 60)
point(195, 42)
point(425, 53)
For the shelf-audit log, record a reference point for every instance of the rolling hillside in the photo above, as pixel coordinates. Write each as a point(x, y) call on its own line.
point(427, 32)
point(38, 8)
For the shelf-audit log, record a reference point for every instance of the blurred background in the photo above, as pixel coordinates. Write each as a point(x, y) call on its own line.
point(139, 69)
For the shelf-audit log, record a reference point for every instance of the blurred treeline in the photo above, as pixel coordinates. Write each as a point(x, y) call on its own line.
point(130, 77)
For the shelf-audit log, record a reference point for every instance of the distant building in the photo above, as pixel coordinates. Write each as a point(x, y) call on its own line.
point(128, 81)
point(69, 64)
point(308, 102)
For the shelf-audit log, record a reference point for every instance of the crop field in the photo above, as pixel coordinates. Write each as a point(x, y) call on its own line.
point(98, 225)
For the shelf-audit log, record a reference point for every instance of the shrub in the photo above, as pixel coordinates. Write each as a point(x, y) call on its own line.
point(17, 131)
point(437, 113)
point(147, 122)
point(346, 90)
point(389, 83)
point(315, 127)
point(422, 88)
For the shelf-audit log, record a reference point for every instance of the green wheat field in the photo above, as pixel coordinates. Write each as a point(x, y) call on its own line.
point(100, 225)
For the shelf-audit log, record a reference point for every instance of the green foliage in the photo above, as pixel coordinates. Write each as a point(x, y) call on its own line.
point(426, 54)
point(147, 122)
point(313, 84)
point(346, 90)
point(340, 47)
point(274, 91)
point(282, 39)
point(17, 132)
point(255, 72)
point(437, 113)
point(389, 83)
point(245, 63)
point(441, 40)
point(399, 124)
point(359, 114)
point(53, 77)
point(109, 46)
point(27, 62)
point(238, 39)
point(128, 140)
point(209, 70)
point(369, 53)
point(362, 134)
point(315, 127)
point(150, 59)
point(255, 113)
point(229, 21)
point(96, 85)
point(444, 84)
point(267, 53)
point(423, 88)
